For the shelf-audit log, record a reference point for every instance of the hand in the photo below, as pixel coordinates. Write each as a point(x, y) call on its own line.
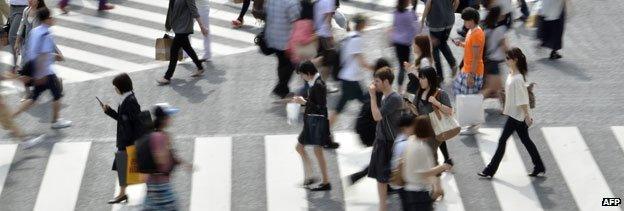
point(204, 30)
point(17, 49)
point(456, 42)
point(408, 66)
point(470, 80)
point(447, 167)
point(299, 99)
point(105, 107)
point(529, 121)
point(433, 101)
point(372, 89)
point(59, 57)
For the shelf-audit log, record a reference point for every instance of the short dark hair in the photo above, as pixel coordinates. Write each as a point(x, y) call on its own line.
point(406, 120)
point(470, 14)
point(43, 13)
point(307, 68)
point(380, 63)
point(123, 83)
point(385, 73)
point(423, 127)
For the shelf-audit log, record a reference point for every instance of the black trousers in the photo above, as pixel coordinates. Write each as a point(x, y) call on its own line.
point(241, 15)
point(181, 41)
point(520, 127)
point(442, 46)
point(285, 70)
point(416, 200)
point(351, 90)
point(403, 55)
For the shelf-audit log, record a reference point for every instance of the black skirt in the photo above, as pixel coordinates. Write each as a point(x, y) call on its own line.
point(550, 33)
point(315, 132)
point(379, 167)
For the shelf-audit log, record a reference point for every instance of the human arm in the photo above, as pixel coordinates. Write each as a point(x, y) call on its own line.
point(435, 170)
point(444, 103)
point(455, 5)
point(425, 13)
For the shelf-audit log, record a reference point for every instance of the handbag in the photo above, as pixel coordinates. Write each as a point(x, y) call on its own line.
point(260, 41)
point(133, 176)
point(444, 126)
point(317, 129)
point(470, 109)
point(163, 48)
point(396, 175)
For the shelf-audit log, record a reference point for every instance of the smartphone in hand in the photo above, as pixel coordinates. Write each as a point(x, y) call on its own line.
point(98, 99)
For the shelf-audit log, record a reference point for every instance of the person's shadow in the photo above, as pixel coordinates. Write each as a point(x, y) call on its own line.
point(43, 111)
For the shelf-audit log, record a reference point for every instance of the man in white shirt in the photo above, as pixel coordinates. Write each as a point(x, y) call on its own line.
point(354, 66)
point(41, 49)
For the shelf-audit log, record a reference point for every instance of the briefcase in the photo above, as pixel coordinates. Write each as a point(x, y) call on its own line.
point(163, 48)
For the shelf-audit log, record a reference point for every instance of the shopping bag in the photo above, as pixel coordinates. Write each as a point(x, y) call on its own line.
point(292, 112)
point(470, 109)
point(133, 176)
point(163, 48)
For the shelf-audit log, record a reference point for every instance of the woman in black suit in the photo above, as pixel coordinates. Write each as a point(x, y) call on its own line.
point(129, 127)
point(315, 107)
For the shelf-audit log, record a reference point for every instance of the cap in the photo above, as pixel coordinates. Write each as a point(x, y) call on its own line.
point(167, 109)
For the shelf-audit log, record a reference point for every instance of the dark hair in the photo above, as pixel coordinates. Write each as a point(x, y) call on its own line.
point(406, 120)
point(491, 19)
point(422, 41)
point(516, 54)
point(40, 4)
point(359, 19)
point(385, 73)
point(401, 5)
point(123, 83)
point(43, 13)
point(470, 14)
point(307, 10)
point(432, 79)
point(423, 127)
point(161, 116)
point(380, 63)
point(307, 68)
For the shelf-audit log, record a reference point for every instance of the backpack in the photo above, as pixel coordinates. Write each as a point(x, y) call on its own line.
point(145, 158)
point(334, 56)
point(365, 124)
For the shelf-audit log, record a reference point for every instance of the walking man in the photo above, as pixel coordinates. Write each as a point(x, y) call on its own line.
point(279, 18)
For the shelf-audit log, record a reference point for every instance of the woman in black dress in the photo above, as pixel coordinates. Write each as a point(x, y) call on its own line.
point(129, 128)
point(317, 134)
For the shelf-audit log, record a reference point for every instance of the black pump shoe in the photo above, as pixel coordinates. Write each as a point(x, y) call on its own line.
point(308, 182)
point(484, 175)
point(537, 173)
point(124, 198)
point(321, 187)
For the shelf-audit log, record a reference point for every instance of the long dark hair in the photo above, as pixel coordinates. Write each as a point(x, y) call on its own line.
point(401, 5)
point(40, 4)
point(422, 41)
point(491, 19)
point(521, 64)
point(432, 79)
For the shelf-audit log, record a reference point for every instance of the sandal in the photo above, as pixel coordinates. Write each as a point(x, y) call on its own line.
point(237, 24)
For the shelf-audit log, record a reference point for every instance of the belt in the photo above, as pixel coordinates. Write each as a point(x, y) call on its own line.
point(15, 5)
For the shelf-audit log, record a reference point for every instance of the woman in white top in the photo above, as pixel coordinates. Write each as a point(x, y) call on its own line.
point(517, 108)
point(419, 172)
point(422, 52)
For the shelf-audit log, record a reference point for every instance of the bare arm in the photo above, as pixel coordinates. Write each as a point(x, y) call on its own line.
point(425, 13)
point(435, 170)
point(455, 5)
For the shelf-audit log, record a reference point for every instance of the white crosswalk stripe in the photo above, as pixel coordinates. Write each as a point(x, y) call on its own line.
point(212, 180)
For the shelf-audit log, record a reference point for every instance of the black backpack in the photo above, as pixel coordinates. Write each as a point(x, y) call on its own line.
point(365, 125)
point(145, 158)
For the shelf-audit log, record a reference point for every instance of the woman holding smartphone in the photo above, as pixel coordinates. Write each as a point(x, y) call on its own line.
point(129, 128)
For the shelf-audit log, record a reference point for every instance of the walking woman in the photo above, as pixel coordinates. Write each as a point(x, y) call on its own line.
point(551, 25)
point(428, 98)
point(129, 128)
point(495, 48)
point(419, 170)
point(402, 35)
point(440, 17)
point(422, 51)
point(519, 115)
point(315, 105)
point(180, 17)
point(160, 195)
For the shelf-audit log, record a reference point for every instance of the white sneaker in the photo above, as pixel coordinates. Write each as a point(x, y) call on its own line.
point(32, 142)
point(61, 123)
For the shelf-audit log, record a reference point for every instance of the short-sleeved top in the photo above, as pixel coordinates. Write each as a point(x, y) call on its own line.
point(279, 18)
point(424, 107)
point(404, 27)
point(40, 41)
point(390, 112)
point(351, 70)
point(494, 37)
point(552, 9)
point(417, 160)
point(475, 37)
point(441, 16)
point(321, 9)
point(398, 149)
point(516, 94)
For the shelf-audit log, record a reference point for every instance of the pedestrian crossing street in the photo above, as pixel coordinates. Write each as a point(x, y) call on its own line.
point(212, 183)
point(99, 44)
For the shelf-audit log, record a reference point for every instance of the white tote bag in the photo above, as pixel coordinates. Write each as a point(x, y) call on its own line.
point(292, 113)
point(444, 126)
point(469, 109)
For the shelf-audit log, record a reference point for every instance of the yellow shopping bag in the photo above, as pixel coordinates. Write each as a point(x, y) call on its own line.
point(132, 171)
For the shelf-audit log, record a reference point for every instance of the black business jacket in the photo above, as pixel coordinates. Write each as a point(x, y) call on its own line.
point(128, 122)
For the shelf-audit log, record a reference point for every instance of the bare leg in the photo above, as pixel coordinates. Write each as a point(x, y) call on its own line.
point(382, 188)
point(333, 117)
point(122, 191)
point(306, 161)
point(24, 107)
point(56, 109)
point(318, 151)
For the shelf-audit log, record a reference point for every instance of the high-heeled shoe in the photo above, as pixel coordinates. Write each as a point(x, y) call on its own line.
point(537, 173)
point(124, 198)
point(484, 175)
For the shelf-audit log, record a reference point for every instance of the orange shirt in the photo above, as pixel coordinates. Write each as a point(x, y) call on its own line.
point(475, 37)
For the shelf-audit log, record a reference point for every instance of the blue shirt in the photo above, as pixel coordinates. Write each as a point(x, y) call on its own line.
point(40, 41)
point(279, 18)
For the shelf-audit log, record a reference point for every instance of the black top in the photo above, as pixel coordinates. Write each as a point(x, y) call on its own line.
point(129, 126)
point(317, 99)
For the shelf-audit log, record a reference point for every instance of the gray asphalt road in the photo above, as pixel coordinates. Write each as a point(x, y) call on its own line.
point(581, 90)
